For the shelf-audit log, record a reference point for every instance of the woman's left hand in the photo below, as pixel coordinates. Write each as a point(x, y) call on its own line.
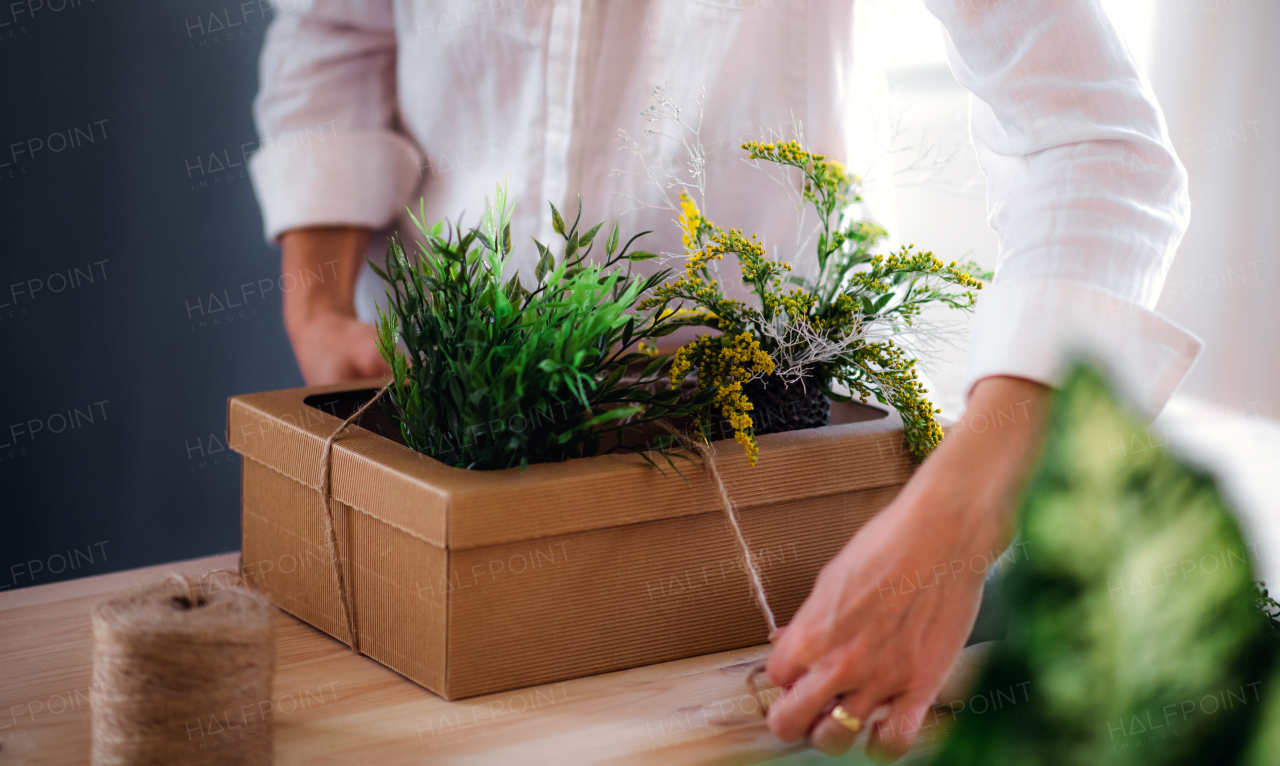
point(889, 614)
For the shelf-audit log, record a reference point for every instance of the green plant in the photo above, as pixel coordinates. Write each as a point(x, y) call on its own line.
point(841, 325)
point(489, 374)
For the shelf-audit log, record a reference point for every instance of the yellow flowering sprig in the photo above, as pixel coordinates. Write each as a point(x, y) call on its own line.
point(883, 370)
point(826, 185)
point(898, 286)
point(725, 363)
point(853, 292)
point(704, 242)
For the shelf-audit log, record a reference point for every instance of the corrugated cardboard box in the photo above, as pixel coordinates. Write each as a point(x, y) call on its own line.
point(471, 582)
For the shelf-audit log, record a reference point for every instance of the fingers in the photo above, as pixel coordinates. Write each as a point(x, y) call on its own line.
point(841, 600)
point(797, 648)
point(832, 737)
point(892, 737)
point(791, 717)
point(812, 696)
point(785, 665)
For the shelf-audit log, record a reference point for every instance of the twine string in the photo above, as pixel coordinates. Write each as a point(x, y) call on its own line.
point(330, 532)
point(180, 579)
point(240, 581)
point(236, 573)
point(756, 670)
point(707, 452)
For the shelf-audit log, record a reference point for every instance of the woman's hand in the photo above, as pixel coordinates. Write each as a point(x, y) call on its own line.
point(889, 614)
point(334, 348)
point(331, 344)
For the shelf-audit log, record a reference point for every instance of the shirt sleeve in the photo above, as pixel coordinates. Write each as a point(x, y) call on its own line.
point(326, 114)
point(1084, 190)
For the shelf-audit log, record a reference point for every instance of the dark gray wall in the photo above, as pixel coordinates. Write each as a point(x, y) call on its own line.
point(118, 245)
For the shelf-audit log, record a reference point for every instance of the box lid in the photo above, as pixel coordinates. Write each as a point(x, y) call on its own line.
point(458, 508)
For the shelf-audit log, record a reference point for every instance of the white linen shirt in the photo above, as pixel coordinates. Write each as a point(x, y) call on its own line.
point(367, 105)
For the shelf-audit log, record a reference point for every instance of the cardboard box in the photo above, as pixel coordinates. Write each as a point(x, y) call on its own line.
point(471, 582)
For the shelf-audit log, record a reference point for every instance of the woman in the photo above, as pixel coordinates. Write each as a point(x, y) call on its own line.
point(365, 105)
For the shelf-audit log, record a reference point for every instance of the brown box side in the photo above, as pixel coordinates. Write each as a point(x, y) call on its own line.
point(284, 556)
point(283, 551)
point(400, 617)
point(608, 599)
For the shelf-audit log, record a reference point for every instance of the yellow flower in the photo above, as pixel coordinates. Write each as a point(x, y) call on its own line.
point(725, 363)
point(691, 222)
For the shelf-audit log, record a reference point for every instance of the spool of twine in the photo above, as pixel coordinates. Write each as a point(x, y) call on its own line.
point(182, 675)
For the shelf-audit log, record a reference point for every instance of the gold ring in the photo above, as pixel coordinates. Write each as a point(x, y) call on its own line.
point(848, 720)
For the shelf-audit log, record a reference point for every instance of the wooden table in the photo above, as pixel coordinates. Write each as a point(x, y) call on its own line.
point(334, 707)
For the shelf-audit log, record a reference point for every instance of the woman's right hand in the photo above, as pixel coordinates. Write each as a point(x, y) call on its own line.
point(331, 344)
point(334, 349)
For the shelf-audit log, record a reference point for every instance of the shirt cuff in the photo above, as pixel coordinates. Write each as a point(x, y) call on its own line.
point(352, 179)
point(1037, 328)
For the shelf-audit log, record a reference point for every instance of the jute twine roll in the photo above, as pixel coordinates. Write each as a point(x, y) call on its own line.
point(182, 675)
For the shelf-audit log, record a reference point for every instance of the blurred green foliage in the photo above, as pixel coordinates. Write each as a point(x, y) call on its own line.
point(1134, 619)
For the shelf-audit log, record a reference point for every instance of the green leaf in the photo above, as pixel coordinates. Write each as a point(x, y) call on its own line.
point(546, 261)
point(585, 239)
point(611, 415)
point(652, 367)
point(578, 219)
point(833, 396)
point(571, 246)
point(611, 243)
point(612, 380)
point(627, 332)
point(557, 223)
point(514, 289)
point(627, 246)
point(632, 358)
point(641, 255)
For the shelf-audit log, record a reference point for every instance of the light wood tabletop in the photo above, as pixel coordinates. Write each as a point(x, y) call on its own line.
point(332, 707)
